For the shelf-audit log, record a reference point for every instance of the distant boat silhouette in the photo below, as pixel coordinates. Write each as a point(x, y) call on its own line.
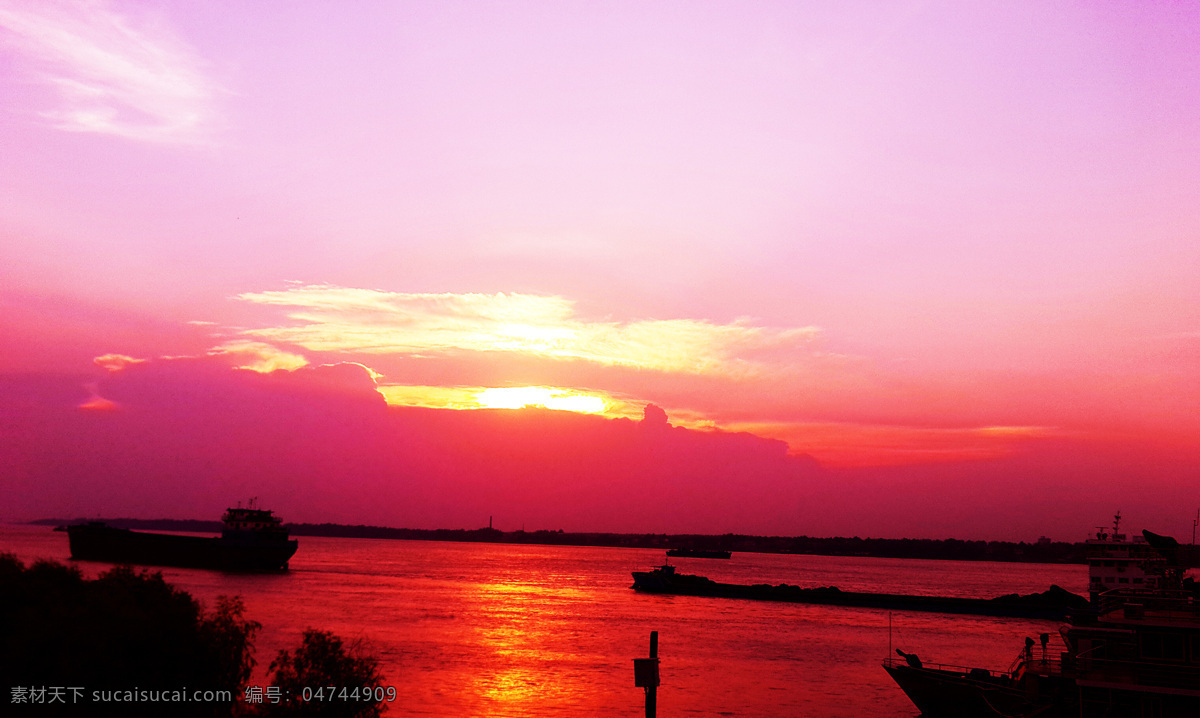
point(253, 539)
point(698, 553)
point(1053, 604)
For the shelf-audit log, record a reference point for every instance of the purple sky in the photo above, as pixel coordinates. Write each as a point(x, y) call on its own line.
point(947, 252)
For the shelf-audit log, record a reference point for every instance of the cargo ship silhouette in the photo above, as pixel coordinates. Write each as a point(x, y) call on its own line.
point(252, 539)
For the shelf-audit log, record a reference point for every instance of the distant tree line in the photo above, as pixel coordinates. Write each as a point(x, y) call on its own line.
point(953, 549)
point(130, 644)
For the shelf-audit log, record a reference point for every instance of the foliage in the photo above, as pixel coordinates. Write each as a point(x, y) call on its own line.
point(122, 631)
point(229, 641)
point(131, 630)
point(323, 660)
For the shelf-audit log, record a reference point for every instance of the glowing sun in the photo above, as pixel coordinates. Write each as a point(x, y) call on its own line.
point(517, 397)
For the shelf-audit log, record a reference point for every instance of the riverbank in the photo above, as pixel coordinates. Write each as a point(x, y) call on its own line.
point(941, 549)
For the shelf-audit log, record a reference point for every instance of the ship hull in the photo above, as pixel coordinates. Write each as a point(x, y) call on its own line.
point(951, 694)
point(113, 545)
point(1053, 605)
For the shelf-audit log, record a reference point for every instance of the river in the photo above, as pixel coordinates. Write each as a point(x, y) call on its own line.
point(473, 629)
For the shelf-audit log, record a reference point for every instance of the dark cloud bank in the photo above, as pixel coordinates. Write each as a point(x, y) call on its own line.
point(188, 437)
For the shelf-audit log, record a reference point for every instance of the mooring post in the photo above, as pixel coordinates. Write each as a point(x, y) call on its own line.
point(645, 676)
point(652, 691)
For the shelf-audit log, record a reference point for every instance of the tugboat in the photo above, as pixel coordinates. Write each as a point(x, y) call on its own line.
point(252, 539)
point(1136, 652)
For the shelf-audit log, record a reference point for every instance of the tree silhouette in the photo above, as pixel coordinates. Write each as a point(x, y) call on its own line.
point(323, 661)
point(124, 631)
point(132, 631)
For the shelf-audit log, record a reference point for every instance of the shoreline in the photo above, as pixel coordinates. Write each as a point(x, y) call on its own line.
point(932, 549)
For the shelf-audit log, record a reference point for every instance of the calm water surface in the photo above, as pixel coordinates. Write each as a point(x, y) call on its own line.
point(501, 630)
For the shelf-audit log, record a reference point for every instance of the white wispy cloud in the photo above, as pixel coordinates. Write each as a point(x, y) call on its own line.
point(112, 73)
point(330, 318)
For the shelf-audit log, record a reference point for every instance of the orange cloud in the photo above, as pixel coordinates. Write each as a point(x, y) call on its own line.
point(116, 362)
point(259, 357)
point(850, 444)
point(95, 402)
point(329, 318)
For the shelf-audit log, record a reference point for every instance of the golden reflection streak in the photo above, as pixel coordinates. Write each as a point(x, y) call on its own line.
point(518, 636)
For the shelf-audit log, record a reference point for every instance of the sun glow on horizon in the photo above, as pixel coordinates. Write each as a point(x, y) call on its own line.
point(517, 397)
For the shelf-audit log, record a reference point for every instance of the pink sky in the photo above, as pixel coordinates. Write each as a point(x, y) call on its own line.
point(948, 253)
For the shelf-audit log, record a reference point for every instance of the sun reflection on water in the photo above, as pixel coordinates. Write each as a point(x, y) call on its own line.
point(523, 632)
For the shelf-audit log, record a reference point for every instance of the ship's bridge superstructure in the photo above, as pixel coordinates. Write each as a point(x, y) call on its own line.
point(253, 522)
point(1116, 561)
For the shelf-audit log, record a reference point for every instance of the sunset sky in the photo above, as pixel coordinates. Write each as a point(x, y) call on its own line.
point(891, 269)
